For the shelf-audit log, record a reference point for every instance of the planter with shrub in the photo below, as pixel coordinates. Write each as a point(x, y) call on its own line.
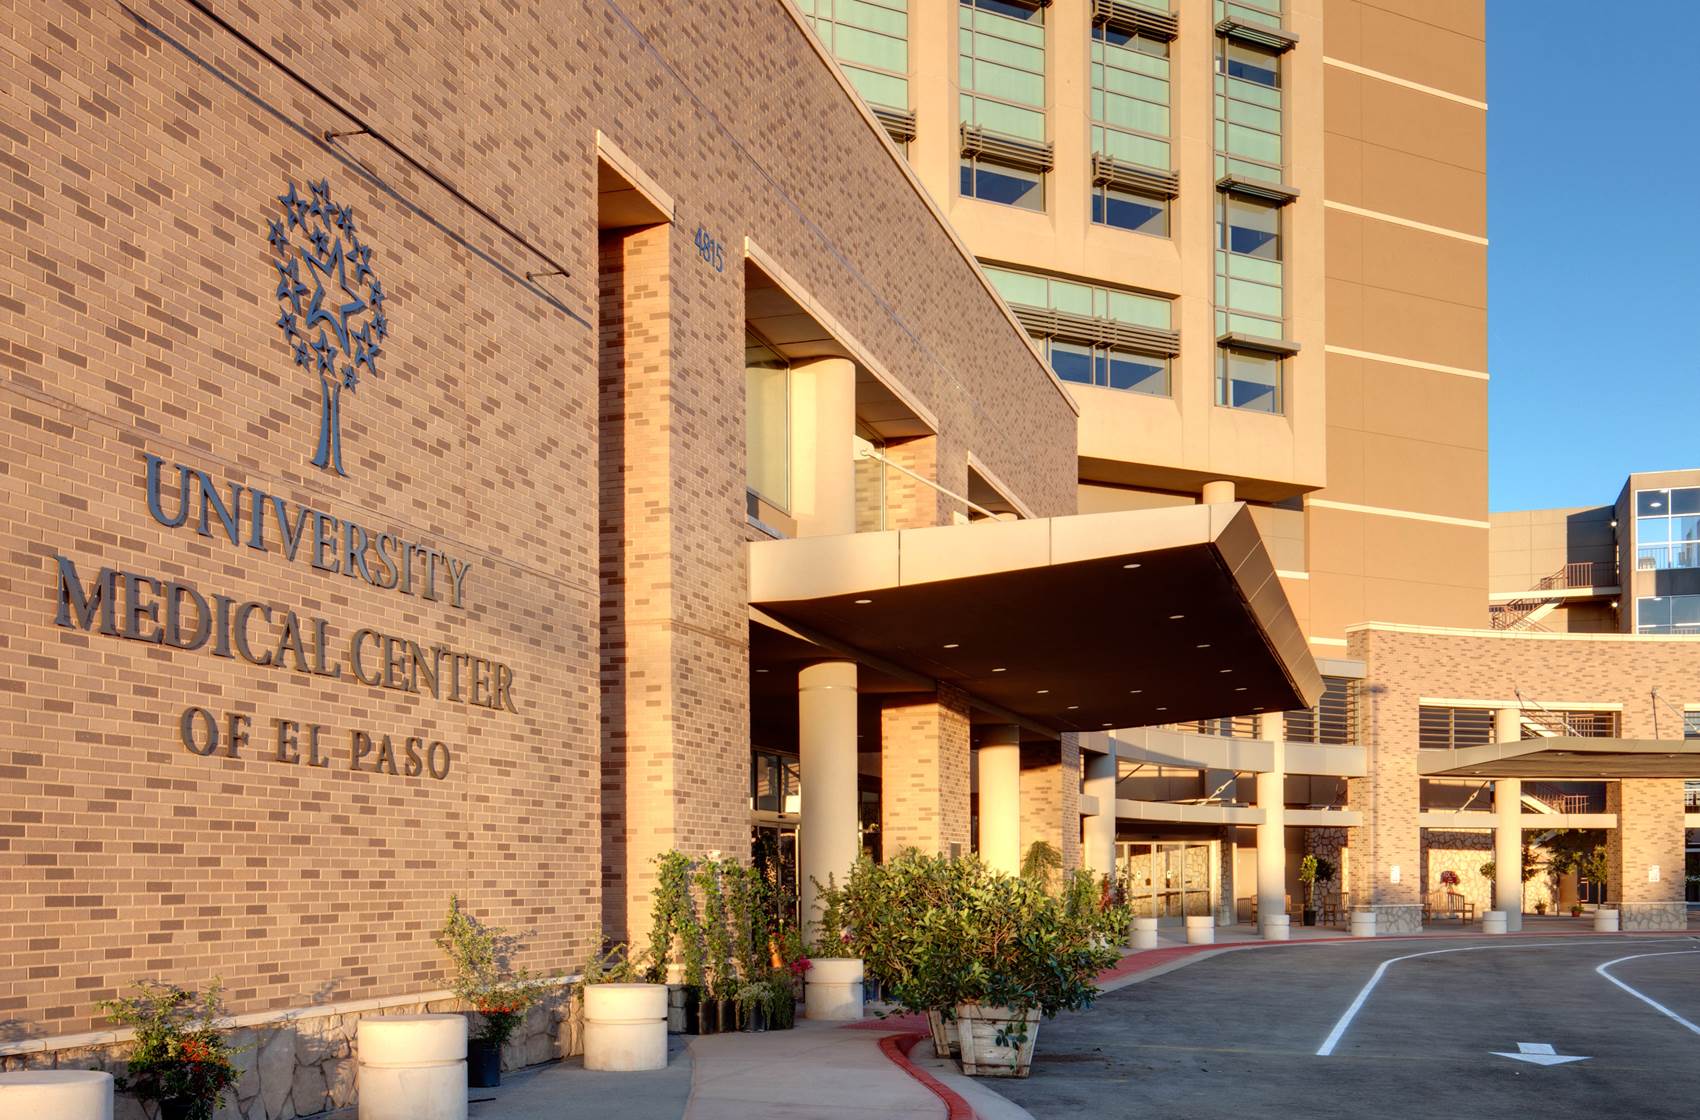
point(485, 979)
point(180, 1061)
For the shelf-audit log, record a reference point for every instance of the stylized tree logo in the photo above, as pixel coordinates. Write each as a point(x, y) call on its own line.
point(339, 292)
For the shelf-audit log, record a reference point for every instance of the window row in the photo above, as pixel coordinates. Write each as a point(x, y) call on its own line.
point(1667, 614)
point(1667, 528)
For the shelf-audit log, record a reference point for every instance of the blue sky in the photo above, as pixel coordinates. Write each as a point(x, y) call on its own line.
point(1593, 295)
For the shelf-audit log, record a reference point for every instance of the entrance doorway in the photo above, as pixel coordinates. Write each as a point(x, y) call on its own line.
point(773, 852)
point(1167, 880)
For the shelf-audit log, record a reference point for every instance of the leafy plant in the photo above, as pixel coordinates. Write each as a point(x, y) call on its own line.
point(1307, 876)
point(832, 933)
point(179, 1052)
point(674, 921)
point(484, 977)
point(717, 930)
point(614, 964)
point(1041, 863)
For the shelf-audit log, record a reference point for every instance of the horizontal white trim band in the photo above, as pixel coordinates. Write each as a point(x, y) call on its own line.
point(1395, 360)
point(1516, 635)
point(1292, 575)
point(1327, 641)
point(1409, 223)
point(1533, 707)
point(1406, 82)
point(1406, 514)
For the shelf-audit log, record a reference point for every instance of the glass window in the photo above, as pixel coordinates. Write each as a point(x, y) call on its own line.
point(775, 783)
point(1137, 372)
point(1691, 726)
point(870, 40)
point(1668, 614)
point(767, 423)
point(1071, 361)
point(1248, 379)
point(1112, 206)
point(1008, 185)
point(1251, 63)
point(1251, 228)
point(1001, 67)
point(1667, 528)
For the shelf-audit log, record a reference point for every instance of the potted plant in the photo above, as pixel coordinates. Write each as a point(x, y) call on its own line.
point(484, 978)
point(1029, 955)
point(832, 987)
point(1576, 909)
point(1541, 908)
point(754, 999)
point(717, 940)
point(179, 1059)
point(676, 951)
point(1307, 875)
point(625, 1018)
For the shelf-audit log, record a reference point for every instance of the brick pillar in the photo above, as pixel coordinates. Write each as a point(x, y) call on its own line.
point(924, 773)
point(1050, 797)
point(1649, 834)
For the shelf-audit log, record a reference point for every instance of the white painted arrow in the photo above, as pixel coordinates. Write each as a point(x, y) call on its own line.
point(1540, 1054)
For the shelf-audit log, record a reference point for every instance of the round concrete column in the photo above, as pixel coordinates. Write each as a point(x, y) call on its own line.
point(1099, 831)
point(1219, 491)
point(1272, 833)
point(63, 1094)
point(1508, 828)
point(999, 760)
point(829, 837)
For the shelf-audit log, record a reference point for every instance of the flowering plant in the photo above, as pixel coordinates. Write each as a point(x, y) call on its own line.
point(1449, 878)
point(483, 978)
point(179, 1054)
point(801, 965)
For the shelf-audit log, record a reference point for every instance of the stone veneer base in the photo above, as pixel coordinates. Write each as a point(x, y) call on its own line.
point(301, 1064)
point(1393, 920)
point(1652, 915)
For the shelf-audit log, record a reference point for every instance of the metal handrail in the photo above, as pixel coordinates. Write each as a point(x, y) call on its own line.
point(1514, 615)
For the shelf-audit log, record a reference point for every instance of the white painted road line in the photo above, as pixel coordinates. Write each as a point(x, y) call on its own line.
point(1334, 1036)
point(1648, 1000)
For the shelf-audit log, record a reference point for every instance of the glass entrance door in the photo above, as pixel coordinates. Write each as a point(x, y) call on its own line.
point(1167, 879)
point(773, 852)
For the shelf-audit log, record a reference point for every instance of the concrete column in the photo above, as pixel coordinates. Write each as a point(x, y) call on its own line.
point(1000, 798)
point(1508, 828)
point(1099, 832)
point(1272, 833)
point(823, 456)
point(829, 837)
point(1218, 491)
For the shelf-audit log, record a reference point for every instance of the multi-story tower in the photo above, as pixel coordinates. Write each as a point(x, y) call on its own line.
point(1251, 235)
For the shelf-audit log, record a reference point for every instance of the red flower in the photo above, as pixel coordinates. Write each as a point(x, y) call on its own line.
point(194, 1050)
point(801, 965)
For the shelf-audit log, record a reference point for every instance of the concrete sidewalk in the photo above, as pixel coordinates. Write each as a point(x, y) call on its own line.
point(565, 1090)
point(818, 1071)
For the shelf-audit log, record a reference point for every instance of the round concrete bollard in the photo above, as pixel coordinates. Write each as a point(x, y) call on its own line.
point(1201, 929)
point(56, 1094)
point(1277, 927)
point(1493, 921)
point(832, 989)
point(1605, 921)
point(625, 1027)
point(1363, 923)
point(412, 1067)
point(1145, 933)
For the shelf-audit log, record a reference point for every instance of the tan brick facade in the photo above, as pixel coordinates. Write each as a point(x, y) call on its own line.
point(574, 439)
point(924, 773)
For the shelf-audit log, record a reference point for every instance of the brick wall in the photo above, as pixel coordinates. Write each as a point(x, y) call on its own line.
point(140, 317)
point(924, 773)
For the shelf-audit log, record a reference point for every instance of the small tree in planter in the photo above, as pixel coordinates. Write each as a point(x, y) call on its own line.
point(180, 1060)
point(832, 988)
point(1307, 876)
point(625, 1016)
point(481, 956)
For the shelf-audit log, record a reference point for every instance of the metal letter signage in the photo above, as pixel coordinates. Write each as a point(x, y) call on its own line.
point(338, 291)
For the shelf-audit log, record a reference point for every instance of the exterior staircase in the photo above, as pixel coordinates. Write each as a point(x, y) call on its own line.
point(1526, 612)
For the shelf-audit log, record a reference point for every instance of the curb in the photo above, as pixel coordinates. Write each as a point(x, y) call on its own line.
point(897, 1047)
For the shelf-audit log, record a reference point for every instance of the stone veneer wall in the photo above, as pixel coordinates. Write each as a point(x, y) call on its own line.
point(307, 1065)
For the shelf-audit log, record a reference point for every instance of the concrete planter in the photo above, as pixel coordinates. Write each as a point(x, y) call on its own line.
point(413, 1067)
point(1362, 923)
point(832, 989)
point(56, 1094)
point(1277, 927)
point(1145, 933)
point(1494, 921)
point(947, 1040)
point(996, 1042)
point(1605, 921)
point(1201, 929)
point(625, 1027)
